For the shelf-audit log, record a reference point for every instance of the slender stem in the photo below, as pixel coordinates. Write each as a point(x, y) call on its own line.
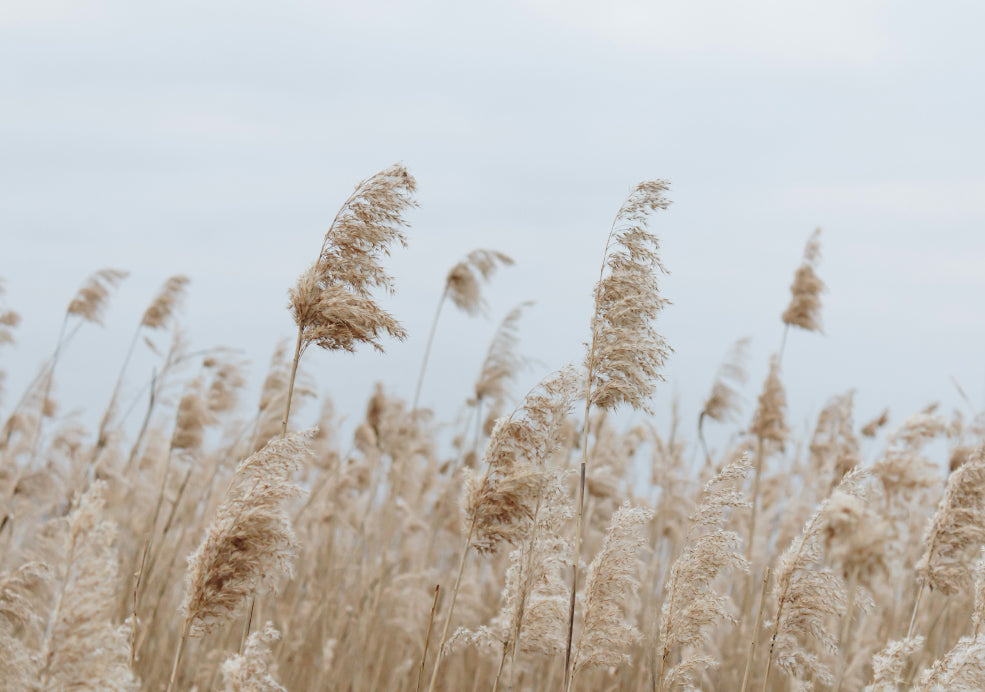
point(143, 426)
point(568, 672)
point(111, 406)
point(157, 513)
point(427, 638)
point(47, 391)
point(290, 386)
point(665, 654)
point(751, 536)
point(48, 645)
point(478, 426)
point(249, 623)
point(177, 656)
point(451, 608)
point(783, 344)
point(913, 617)
point(427, 349)
point(701, 438)
point(133, 625)
point(499, 670)
point(755, 635)
point(845, 627)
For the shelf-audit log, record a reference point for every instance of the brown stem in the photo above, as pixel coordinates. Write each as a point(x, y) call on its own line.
point(451, 608)
point(427, 349)
point(427, 637)
point(177, 657)
point(290, 386)
point(913, 617)
point(755, 634)
point(845, 627)
point(751, 536)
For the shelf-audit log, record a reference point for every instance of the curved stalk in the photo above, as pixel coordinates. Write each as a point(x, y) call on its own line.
point(451, 609)
point(427, 349)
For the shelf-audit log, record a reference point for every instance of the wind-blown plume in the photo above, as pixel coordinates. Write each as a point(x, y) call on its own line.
point(463, 280)
point(957, 528)
point(462, 285)
point(249, 546)
point(607, 634)
point(806, 595)
point(228, 380)
point(889, 665)
point(691, 606)
point(804, 310)
point(332, 303)
point(502, 362)
point(624, 358)
point(872, 427)
point(55, 627)
point(90, 302)
point(768, 422)
point(162, 308)
point(722, 403)
point(533, 615)
point(250, 671)
point(8, 321)
point(499, 504)
point(963, 667)
point(626, 353)
point(834, 447)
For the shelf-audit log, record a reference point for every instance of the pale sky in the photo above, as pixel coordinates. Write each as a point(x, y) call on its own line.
point(218, 140)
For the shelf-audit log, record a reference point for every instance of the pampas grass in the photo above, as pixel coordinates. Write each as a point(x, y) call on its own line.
point(624, 357)
point(710, 550)
point(463, 288)
point(175, 533)
point(250, 545)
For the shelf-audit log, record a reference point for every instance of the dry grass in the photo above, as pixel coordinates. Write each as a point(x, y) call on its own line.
point(538, 549)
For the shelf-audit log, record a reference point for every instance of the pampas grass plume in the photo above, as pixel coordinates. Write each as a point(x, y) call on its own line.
point(804, 310)
point(250, 546)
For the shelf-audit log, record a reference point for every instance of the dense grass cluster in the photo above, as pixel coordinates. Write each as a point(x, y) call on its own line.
point(207, 544)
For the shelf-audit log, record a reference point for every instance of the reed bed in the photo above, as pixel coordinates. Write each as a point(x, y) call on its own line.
point(216, 546)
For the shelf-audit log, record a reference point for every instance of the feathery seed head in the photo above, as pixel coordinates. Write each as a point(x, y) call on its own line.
point(626, 354)
point(332, 303)
point(163, 307)
point(956, 529)
point(804, 310)
point(768, 422)
point(90, 302)
point(723, 402)
point(613, 582)
point(500, 503)
point(250, 546)
point(463, 281)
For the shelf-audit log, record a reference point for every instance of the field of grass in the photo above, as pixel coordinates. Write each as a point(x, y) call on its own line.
point(522, 543)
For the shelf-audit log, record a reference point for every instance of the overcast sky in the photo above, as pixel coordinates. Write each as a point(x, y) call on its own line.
point(218, 140)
